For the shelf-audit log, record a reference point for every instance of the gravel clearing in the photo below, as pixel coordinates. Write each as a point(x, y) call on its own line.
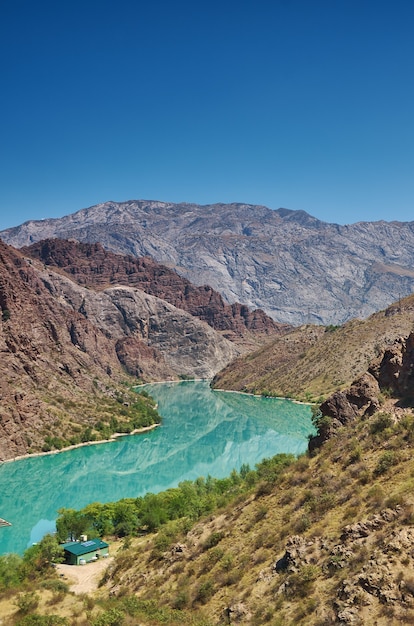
point(83, 578)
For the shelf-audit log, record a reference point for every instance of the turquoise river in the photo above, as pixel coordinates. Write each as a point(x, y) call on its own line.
point(203, 432)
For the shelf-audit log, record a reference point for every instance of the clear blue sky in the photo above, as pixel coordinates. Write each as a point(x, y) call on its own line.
point(303, 104)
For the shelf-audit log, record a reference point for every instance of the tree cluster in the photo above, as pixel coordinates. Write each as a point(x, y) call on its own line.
point(191, 500)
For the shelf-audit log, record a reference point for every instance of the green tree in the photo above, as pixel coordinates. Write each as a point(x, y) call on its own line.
point(71, 524)
point(125, 519)
point(40, 557)
point(153, 513)
point(11, 572)
point(100, 518)
point(322, 423)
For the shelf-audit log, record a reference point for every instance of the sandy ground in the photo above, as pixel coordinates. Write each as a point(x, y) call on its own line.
point(83, 578)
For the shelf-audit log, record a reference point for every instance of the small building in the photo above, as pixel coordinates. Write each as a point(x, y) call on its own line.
point(80, 552)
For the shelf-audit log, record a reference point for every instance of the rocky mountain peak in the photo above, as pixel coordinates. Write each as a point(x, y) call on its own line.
point(294, 267)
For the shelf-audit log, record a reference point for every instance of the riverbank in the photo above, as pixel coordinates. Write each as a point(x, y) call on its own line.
point(259, 395)
point(175, 382)
point(113, 437)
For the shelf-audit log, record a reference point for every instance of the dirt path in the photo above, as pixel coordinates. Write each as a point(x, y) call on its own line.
point(83, 578)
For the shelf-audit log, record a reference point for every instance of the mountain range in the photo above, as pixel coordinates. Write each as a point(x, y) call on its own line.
point(291, 265)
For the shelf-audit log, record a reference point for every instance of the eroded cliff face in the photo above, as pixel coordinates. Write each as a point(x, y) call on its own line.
point(38, 356)
point(93, 266)
point(187, 346)
point(65, 348)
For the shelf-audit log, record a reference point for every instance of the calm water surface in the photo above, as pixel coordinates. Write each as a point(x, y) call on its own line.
point(203, 432)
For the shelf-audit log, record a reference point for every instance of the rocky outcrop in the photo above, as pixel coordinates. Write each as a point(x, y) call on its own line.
point(293, 266)
point(236, 613)
point(351, 532)
point(395, 369)
point(371, 551)
point(360, 400)
point(295, 556)
point(378, 580)
point(392, 372)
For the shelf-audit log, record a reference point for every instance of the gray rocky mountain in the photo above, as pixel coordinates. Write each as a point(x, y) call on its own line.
point(293, 266)
point(188, 346)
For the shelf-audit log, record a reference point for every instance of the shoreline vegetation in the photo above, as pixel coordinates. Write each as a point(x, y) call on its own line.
point(245, 393)
point(112, 438)
point(259, 395)
point(174, 382)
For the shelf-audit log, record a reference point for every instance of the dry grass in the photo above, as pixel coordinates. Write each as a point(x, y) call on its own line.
point(312, 362)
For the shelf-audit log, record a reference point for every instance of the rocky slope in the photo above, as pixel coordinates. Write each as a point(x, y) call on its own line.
point(293, 266)
point(65, 349)
point(92, 266)
point(311, 362)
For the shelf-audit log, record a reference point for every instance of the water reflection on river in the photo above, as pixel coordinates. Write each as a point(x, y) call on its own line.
point(203, 432)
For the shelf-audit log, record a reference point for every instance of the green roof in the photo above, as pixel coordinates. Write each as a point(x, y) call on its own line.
point(84, 547)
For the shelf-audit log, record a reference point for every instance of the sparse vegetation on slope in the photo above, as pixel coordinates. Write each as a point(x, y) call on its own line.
point(121, 413)
point(312, 362)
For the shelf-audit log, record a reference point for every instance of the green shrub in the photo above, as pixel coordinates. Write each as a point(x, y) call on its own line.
point(376, 495)
point(261, 513)
point(205, 591)
point(270, 469)
point(11, 572)
point(355, 454)
point(302, 524)
point(301, 583)
point(112, 617)
point(54, 584)
point(213, 540)
point(407, 423)
point(181, 600)
point(381, 422)
point(27, 602)
point(387, 460)
point(227, 561)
